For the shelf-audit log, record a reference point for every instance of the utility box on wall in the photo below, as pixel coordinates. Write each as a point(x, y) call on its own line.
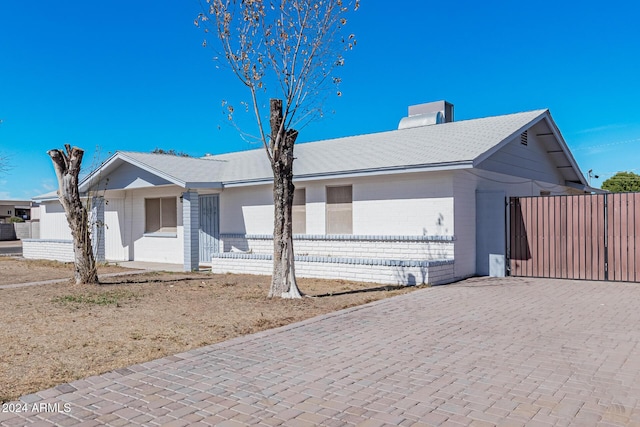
point(496, 265)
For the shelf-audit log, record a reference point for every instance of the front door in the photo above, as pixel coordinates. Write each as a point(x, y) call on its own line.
point(209, 233)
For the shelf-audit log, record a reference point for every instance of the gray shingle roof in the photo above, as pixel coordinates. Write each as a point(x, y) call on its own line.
point(443, 145)
point(177, 168)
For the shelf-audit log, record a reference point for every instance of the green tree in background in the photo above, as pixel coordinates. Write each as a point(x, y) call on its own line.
point(622, 182)
point(171, 152)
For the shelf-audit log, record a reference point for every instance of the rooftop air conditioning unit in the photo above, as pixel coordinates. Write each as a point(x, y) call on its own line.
point(432, 113)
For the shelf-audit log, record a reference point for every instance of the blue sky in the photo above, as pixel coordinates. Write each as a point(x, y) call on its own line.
point(133, 75)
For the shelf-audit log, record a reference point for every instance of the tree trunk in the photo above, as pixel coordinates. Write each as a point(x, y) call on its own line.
point(67, 167)
point(283, 280)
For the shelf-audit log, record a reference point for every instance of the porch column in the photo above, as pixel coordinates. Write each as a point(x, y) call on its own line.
point(191, 223)
point(97, 228)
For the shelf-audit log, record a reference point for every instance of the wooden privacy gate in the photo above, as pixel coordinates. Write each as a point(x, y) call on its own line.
point(591, 237)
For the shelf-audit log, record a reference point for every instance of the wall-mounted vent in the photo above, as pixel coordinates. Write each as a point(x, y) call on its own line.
point(432, 113)
point(523, 138)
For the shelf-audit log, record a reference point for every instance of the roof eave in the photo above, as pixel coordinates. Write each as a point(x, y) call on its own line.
point(358, 173)
point(545, 115)
point(95, 176)
point(41, 199)
point(585, 187)
point(204, 185)
point(567, 152)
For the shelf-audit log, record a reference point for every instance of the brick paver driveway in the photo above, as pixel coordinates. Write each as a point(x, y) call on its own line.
point(484, 351)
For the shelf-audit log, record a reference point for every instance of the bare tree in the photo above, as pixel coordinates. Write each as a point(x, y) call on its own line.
point(67, 167)
point(290, 48)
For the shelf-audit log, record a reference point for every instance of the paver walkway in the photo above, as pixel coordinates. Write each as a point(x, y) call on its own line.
point(481, 352)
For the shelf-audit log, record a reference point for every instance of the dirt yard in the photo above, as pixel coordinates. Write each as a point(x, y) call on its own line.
point(17, 270)
point(61, 332)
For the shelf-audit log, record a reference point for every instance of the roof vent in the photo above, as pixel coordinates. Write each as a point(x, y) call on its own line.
point(432, 113)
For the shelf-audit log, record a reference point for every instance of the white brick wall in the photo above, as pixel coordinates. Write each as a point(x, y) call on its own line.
point(316, 196)
point(149, 247)
point(380, 247)
point(414, 204)
point(52, 249)
point(247, 209)
point(124, 227)
point(408, 204)
point(465, 219)
point(439, 273)
point(53, 222)
point(407, 260)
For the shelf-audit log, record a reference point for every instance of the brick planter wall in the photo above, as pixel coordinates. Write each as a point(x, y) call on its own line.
point(353, 246)
point(363, 270)
point(52, 249)
point(407, 260)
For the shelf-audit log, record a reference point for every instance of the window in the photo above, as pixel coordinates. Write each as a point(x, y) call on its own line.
point(339, 210)
point(161, 215)
point(299, 211)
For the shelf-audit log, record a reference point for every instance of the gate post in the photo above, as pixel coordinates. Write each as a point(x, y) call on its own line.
point(606, 237)
point(507, 226)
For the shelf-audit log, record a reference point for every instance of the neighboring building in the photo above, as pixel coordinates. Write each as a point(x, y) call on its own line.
point(18, 208)
point(424, 203)
point(24, 209)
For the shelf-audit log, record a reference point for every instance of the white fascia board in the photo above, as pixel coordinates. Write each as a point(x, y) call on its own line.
point(104, 169)
point(51, 195)
point(45, 199)
point(156, 172)
point(567, 152)
point(83, 195)
point(546, 115)
point(87, 181)
point(203, 185)
point(356, 174)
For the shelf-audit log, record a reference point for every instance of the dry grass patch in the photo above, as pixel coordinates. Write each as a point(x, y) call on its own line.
point(18, 270)
point(60, 332)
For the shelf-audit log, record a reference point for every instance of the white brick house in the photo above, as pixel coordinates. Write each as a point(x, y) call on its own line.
point(423, 203)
